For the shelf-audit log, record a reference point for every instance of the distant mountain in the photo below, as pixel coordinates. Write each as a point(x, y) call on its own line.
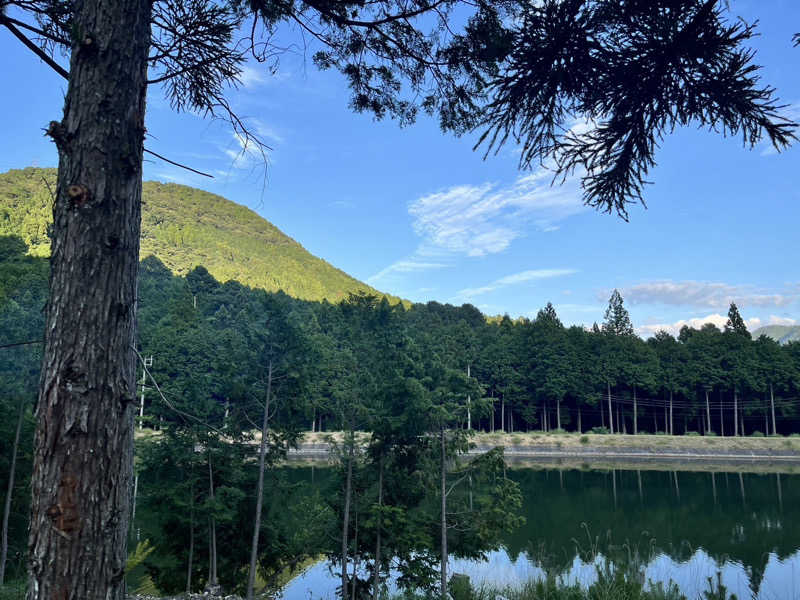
point(186, 227)
point(781, 333)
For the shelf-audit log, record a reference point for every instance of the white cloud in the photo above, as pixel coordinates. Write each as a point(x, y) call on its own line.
point(413, 264)
point(251, 76)
point(703, 294)
point(515, 279)
point(716, 319)
point(476, 220)
point(776, 320)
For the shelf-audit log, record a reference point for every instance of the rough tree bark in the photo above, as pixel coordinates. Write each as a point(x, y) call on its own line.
point(262, 453)
point(81, 482)
point(10, 492)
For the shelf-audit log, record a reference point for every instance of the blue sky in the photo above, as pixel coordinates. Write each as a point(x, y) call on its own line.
point(418, 214)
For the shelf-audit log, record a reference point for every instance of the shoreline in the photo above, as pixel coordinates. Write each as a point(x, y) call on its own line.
point(605, 451)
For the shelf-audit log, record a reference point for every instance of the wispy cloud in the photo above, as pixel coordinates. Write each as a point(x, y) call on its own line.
point(702, 294)
point(715, 319)
point(476, 220)
point(515, 279)
point(413, 264)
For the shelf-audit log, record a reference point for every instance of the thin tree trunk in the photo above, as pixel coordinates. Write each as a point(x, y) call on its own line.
point(671, 422)
point(666, 420)
point(10, 491)
point(635, 414)
point(212, 530)
point(772, 406)
point(580, 425)
point(443, 478)
point(610, 413)
point(191, 531)
point(655, 421)
point(262, 453)
point(503, 413)
point(721, 417)
point(469, 401)
point(735, 414)
point(377, 570)
point(355, 558)
point(558, 412)
point(83, 449)
point(346, 520)
point(708, 412)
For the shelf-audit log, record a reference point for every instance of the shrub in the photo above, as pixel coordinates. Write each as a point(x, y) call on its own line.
point(694, 433)
point(661, 433)
point(756, 433)
point(584, 439)
point(710, 433)
point(601, 430)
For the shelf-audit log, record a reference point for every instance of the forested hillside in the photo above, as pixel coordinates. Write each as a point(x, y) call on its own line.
point(220, 351)
point(184, 227)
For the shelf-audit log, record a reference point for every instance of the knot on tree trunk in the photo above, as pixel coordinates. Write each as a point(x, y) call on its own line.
point(79, 195)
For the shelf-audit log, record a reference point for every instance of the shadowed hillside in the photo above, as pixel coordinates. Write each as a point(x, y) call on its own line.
point(186, 227)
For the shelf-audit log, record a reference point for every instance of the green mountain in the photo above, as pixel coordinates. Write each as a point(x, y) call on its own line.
point(186, 227)
point(780, 333)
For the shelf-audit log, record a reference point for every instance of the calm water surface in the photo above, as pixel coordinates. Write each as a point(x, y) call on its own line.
point(671, 525)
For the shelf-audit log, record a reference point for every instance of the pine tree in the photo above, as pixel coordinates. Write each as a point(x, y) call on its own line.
point(617, 320)
point(735, 323)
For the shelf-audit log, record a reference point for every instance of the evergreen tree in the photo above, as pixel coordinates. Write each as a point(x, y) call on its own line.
point(735, 323)
point(617, 320)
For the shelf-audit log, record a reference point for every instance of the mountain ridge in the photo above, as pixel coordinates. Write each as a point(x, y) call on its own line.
point(185, 227)
point(782, 334)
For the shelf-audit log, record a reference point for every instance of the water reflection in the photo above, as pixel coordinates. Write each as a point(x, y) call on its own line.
point(665, 525)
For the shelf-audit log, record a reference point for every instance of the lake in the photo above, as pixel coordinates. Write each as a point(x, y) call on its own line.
point(666, 525)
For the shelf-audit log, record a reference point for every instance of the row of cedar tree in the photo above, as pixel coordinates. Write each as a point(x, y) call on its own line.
point(404, 374)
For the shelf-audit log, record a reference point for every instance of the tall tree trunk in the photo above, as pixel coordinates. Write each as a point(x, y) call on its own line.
point(580, 424)
point(348, 490)
point(469, 402)
point(262, 453)
point(443, 481)
point(10, 491)
point(772, 406)
point(655, 421)
point(610, 413)
point(212, 531)
point(708, 412)
point(558, 413)
point(635, 413)
point(355, 558)
point(735, 414)
point(721, 417)
point(377, 571)
point(83, 449)
point(671, 422)
point(190, 566)
point(503, 413)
